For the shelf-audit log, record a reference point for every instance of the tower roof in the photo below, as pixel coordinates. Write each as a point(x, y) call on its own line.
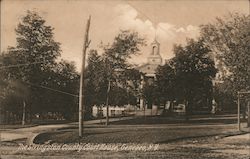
point(154, 60)
point(155, 42)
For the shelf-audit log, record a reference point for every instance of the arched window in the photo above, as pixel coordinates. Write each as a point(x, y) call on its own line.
point(154, 50)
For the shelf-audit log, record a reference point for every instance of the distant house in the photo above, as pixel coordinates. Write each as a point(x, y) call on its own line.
point(101, 111)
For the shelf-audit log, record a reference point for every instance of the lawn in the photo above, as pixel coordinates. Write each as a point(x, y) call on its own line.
point(176, 139)
point(15, 126)
point(194, 120)
point(133, 134)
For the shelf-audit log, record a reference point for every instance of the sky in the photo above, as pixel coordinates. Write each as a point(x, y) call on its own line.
point(171, 22)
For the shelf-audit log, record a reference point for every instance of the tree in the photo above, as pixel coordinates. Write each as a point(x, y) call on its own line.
point(223, 97)
point(116, 57)
point(195, 70)
point(14, 92)
point(33, 59)
point(63, 77)
point(229, 40)
point(95, 81)
point(165, 83)
point(110, 75)
point(35, 43)
point(187, 78)
point(132, 84)
point(149, 93)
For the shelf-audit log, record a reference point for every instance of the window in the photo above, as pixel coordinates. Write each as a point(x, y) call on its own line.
point(100, 113)
point(154, 50)
point(123, 112)
point(112, 112)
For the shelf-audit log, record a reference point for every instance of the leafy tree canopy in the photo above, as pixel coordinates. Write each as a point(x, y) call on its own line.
point(188, 76)
point(30, 71)
point(229, 39)
point(112, 66)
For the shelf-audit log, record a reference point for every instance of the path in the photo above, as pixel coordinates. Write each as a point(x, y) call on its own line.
point(31, 132)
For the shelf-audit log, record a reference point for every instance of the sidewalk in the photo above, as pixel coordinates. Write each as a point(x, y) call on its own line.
point(30, 132)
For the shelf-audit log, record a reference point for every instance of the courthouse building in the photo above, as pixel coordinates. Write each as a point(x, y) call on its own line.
point(153, 61)
point(148, 69)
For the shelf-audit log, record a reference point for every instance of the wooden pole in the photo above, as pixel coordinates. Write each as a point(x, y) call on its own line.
point(81, 92)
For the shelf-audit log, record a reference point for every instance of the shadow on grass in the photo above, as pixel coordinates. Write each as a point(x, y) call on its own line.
point(216, 136)
point(164, 120)
point(14, 142)
point(64, 135)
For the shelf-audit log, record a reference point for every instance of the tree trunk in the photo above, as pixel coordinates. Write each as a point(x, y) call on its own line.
point(187, 110)
point(248, 120)
point(107, 104)
point(164, 108)
point(24, 113)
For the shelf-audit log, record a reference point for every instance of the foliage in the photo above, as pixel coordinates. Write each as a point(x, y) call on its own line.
point(31, 73)
point(165, 82)
point(149, 93)
point(230, 41)
point(113, 66)
point(63, 77)
point(95, 80)
point(223, 97)
point(188, 76)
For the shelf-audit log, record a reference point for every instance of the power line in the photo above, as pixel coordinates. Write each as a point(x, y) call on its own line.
point(33, 63)
point(52, 89)
point(145, 15)
point(44, 87)
point(18, 65)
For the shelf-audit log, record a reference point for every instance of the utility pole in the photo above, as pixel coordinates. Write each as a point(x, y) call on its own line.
point(81, 92)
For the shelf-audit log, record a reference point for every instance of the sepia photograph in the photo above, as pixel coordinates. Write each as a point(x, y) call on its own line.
point(114, 79)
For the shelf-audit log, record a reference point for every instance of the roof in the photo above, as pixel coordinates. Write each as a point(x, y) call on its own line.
point(155, 42)
point(148, 68)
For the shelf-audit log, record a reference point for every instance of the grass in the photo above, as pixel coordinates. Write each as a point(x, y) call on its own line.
point(15, 126)
point(174, 120)
point(33, 123)
point(131, 134)
point(144, 130)
point(192, 139)
point(184, 145)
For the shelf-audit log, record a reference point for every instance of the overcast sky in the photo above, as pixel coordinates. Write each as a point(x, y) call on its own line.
point(172, 21)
